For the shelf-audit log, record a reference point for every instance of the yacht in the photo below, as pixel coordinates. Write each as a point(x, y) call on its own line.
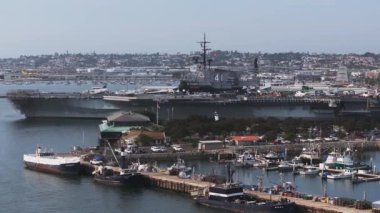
point(273, 156)
point(245, 159)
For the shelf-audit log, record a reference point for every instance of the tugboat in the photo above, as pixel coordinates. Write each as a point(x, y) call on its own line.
point(230, 196)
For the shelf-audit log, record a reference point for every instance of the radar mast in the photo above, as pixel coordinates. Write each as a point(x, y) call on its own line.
point(204, 50)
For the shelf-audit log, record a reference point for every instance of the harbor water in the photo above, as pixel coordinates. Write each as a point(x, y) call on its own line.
point(23, 190)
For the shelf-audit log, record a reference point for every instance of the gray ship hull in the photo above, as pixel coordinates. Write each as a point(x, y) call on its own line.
point(97, 108)
point(175, 106)
point(63, 108)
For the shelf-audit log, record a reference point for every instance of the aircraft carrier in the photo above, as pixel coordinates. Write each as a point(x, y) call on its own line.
point(201, 92)
point(174, 106)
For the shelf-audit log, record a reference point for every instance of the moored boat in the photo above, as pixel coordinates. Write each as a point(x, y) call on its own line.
point(346, 174)
point(50, 162)
point(309, 170)
point(245, 160)
point(273, 156)
point(110, 177)
point(309, 156)
point(231, 197)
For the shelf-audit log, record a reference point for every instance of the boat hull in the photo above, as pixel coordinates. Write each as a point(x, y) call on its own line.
point(62, 169)
point(235, 207)
point(119, 180)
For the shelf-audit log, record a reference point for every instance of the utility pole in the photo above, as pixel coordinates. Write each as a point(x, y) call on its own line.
point(157, 107)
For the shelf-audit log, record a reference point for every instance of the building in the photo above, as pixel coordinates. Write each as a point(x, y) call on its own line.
point(341, 76)
point(248, 140)
point(149, 137)
point(121, 122)
point(210, 145)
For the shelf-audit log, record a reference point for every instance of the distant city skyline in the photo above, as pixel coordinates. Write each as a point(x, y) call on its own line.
point(169, 26)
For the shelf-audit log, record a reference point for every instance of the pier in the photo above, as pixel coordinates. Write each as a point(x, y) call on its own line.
point(174, 183)
point(309, 205)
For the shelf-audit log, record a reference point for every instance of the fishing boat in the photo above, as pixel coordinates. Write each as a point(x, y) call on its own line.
point(51, 162)
point(108, 176)
point(309, 156)
point(309, 170)
point(336, 160)
point(117, 176)
point(346, 174)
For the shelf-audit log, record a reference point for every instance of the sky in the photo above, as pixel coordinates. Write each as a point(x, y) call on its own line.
point(34, 27)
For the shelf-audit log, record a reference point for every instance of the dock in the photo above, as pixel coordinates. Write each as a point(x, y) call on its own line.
point(164, 181)
point(195, 186)
point(308, 205)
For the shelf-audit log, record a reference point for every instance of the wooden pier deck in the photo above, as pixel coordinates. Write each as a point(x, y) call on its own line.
point(174, 183)
point(309, 205)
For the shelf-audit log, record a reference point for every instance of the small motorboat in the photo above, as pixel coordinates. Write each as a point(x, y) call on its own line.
point(309, 170)
point(346, 174)
point(178, 167)
point(245, 160)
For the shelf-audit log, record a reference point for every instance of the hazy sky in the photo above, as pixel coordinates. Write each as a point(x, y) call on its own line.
point(144, 26)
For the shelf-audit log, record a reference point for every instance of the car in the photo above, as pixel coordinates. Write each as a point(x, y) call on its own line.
point(155, 149)
point(131, 145)
point(177, 148)
point(162, 149)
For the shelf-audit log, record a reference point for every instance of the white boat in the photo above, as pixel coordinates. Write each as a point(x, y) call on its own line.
point(337, 160)
point(309, 156)
point(309, 170)
point(346, 174)
point(178, 167)
point(51, 163)
point(245, 159)
point(273, 156)
point(285, 166)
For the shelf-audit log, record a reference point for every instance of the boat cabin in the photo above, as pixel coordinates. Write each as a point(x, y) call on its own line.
point(225, 192)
